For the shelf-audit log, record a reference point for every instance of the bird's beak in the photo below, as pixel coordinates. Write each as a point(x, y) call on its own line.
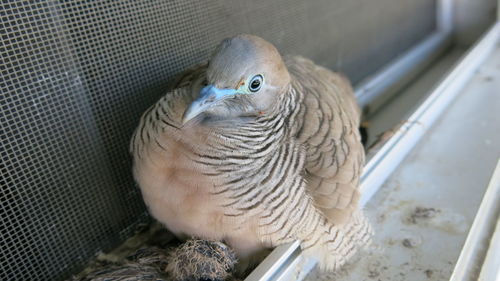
point(209, 96)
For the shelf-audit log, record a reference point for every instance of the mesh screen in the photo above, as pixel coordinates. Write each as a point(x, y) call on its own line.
point(76, 75)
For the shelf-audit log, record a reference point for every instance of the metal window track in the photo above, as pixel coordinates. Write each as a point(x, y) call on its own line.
point(378, 88)
point(475, 259)
point(286, 259)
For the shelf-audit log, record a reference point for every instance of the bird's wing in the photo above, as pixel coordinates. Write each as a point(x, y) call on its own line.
point(327, 126)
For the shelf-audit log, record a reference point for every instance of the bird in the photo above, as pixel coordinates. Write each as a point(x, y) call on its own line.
point(124, 272)
point(198, 259)
point(257, 150)
point(161, 258)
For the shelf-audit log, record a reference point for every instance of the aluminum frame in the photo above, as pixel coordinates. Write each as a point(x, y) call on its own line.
point(399, 72)
point(474, 258)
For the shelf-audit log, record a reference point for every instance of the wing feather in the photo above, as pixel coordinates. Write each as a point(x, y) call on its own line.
point(328, 129)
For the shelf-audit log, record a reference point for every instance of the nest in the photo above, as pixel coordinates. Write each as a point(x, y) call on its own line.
point(156, 255)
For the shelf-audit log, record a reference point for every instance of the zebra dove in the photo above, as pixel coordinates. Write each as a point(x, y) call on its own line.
point(257, 151)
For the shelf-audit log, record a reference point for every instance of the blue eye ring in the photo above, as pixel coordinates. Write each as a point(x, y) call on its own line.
point(255, 83)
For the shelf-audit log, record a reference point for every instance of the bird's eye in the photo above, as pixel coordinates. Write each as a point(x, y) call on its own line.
point(255, 83)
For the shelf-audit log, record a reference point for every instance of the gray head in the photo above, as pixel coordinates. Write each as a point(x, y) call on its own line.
point(245, 77)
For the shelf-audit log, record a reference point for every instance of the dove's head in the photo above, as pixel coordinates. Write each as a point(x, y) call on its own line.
point(245, 77)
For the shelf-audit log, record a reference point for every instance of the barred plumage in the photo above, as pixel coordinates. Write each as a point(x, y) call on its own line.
point(284, 165)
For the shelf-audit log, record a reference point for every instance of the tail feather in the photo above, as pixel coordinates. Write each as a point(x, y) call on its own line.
point(338, 244)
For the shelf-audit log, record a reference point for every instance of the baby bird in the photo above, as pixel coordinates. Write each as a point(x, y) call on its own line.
point(201, 260)
point(256, 150)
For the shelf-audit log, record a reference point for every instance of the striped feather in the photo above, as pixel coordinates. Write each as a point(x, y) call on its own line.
point(290, 174)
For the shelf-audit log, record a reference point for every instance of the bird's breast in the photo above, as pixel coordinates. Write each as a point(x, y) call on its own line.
point(176, 190)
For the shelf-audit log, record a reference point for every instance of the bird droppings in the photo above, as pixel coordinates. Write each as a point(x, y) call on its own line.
point(373, 274)
point(407, 243)
point(397, 255)
point(421, 213)
point(445, 220)
point(381, 218)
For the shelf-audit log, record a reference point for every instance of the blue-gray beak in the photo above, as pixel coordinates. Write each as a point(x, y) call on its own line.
point(209, 97)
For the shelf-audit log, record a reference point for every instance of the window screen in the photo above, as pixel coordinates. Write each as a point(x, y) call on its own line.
point(76, 76)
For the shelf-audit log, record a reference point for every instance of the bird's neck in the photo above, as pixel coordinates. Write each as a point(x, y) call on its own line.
point(274, 123)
